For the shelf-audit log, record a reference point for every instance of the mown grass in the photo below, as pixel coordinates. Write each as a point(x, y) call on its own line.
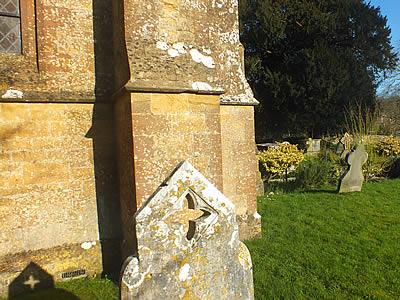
point(315, 245)
point(322, 245)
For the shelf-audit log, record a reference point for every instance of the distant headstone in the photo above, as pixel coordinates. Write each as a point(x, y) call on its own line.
point(346, 141)
point(313, 146)
point(354, 178)
point(339, 148)
point(188, 245)
point(260, 185)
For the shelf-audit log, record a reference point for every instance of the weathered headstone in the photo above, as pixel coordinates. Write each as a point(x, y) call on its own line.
point(354, 178)
point(313, 146)
point(260, 184)
point(346, 141)
point(188, 245)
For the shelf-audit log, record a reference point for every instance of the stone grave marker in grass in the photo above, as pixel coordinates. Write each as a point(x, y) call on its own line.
point(346, 141)
point(353, 179)
point(313, 146)
point(188, 246)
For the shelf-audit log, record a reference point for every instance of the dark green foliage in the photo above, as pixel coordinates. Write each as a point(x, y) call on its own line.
point(313, 173)
point(393, 168)
point(309, 60)
point(322, 245)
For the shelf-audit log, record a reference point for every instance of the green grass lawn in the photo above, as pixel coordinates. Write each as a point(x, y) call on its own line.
point(321, 245)
point(315, 245)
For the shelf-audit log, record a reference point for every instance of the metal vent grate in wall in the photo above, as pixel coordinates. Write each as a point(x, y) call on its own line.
point(73, 274)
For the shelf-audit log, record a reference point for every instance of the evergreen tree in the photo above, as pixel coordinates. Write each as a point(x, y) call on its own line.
point(308, 61)
point(391, 84)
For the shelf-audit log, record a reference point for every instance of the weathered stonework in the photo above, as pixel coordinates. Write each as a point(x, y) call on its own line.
point(57, 187)
point(239, 166)
point(58, 53)
point(54, 261)
point(161, 130)
point(46, 164)
point(172, 57)
point(106, 98)
point(168, 47)
point(188, 244)
point(168, 127)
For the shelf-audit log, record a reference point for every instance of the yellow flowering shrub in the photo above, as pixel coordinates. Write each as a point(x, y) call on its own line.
point(388, 146)
point(278, 159)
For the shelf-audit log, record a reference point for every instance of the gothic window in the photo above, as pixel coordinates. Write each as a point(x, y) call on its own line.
point(10, 26)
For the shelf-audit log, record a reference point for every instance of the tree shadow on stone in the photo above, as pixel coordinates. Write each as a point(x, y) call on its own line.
point(34, 283)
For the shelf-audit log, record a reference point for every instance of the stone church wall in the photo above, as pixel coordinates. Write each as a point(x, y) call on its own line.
point(240, 165)
point(104, 102)
point(169, 127)
point(58, 187)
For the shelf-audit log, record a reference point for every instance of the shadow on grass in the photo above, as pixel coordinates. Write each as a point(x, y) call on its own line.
point(280, 186)
point(294, 187)
point(321, 191)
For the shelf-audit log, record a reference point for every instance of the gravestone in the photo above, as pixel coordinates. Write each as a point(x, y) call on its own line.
point(354, 178)
point(346, 141)
point(313, 146)
point(188, 246)
point(260, 184)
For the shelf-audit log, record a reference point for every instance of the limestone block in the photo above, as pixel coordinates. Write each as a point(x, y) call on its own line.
point(189, 45)
point(188, 246)
point(240, 166)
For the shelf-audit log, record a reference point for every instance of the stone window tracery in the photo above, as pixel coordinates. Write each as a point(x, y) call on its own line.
point(10, 26)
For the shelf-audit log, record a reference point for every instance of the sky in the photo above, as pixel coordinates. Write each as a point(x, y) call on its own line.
point(391, 9)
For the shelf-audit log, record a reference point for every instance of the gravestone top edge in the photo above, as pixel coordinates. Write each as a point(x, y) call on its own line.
point(188, 244)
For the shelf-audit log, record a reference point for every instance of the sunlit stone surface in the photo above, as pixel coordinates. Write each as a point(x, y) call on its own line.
point(188, 245)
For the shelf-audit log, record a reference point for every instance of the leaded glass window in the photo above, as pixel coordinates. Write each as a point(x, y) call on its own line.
point(10, 26)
